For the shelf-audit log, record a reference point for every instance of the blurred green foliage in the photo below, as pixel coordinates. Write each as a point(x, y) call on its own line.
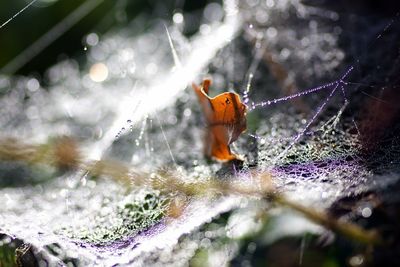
point(7, 256)
point(38, 19)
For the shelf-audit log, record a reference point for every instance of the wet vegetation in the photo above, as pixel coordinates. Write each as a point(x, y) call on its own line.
point(102, 158)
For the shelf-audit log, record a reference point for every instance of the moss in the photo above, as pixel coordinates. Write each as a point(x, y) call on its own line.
point(121, 222)
point(7, 256)
point(200, 259)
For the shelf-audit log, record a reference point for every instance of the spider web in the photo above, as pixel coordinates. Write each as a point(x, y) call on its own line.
point(319, 144)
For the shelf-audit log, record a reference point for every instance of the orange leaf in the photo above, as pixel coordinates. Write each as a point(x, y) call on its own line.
point(225, 118)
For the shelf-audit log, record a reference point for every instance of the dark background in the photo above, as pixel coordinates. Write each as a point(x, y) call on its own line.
point(37, 20)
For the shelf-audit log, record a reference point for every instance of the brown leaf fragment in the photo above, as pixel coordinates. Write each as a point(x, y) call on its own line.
point(225, 116)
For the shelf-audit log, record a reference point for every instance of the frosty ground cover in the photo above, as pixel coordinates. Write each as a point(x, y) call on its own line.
point(131, 103)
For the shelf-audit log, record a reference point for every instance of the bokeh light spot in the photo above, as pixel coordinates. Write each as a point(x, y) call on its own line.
point(98, 72)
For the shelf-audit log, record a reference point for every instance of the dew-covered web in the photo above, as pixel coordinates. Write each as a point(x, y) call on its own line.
point(131, 103)
point(337, 139)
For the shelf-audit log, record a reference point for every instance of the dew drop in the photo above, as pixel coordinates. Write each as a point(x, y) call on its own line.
point(366, 212)
point(272, 32)
point(33, 85)
point(270, 3)
point(177, 18)
point(98, 72)
point(92, 39)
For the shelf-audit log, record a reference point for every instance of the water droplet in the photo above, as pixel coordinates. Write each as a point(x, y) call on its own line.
point(271, 32)
point(98, 72)
point(366, 212)
point(270, 3)
point(205, 29)
point(356, 260)
point(33, 85)
point(187, 112)
point(213, 12)
point(92, 39)
point(177, 18)
point(261, 16)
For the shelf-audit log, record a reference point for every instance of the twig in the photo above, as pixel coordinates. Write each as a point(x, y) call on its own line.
point(63, 153)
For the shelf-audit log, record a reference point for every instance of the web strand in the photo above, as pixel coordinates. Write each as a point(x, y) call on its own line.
point(286, 98)
point(298, 136)
point(309, 91)
point(17, 14)
point(258, 54)
point(166, 140)
point(49, 37)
